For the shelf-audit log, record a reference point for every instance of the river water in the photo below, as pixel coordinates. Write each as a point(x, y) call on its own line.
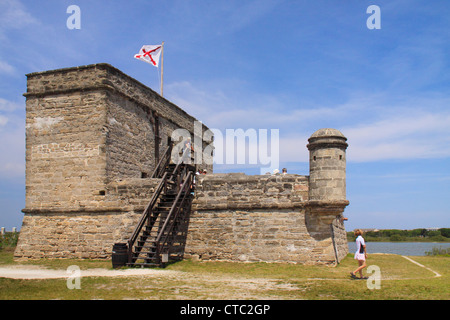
point(402, 248)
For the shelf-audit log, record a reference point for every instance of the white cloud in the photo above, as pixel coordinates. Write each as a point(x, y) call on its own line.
point(378, 126)
point(3, 120)
point(13, 15)
point(12, 153)
point(12, 140)
point(293, 148)
point(6, 68)
point(227, 105)
point(9, 106)
point(416, 135)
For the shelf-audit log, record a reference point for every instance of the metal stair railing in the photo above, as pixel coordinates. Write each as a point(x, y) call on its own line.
point(182, 178)
point(163, 162)
point(167, 228)
point(146, 215)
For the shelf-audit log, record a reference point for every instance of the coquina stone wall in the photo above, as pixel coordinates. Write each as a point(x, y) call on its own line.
point(93, 137)
point(91, 133)
point(88, 232)
point(263, 218)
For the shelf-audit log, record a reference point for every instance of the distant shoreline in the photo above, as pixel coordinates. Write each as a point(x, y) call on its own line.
point(441, 235)
point(406, 240)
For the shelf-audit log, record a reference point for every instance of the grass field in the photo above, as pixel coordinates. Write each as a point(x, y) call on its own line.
point(400, 279)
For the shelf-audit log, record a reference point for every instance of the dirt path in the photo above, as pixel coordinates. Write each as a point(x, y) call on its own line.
point(38, 272)
point(164, 284)
point(421, 265)
point(184, 286)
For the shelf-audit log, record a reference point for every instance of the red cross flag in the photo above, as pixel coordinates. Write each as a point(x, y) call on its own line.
point(149, 54)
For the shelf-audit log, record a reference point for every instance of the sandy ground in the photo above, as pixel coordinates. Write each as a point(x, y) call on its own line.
point(201, 286)
point(38, 272)
point(182, 285)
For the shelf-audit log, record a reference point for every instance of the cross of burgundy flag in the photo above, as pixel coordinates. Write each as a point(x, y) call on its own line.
point(149, 54)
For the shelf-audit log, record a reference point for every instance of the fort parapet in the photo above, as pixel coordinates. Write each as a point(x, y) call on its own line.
point(275, 218)
point(93, 138)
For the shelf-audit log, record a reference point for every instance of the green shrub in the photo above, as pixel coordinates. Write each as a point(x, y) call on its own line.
point(9, 239)
point(445, 232)
point(396, 237)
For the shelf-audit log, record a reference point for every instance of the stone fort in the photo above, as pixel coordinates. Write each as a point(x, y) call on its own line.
point(99, 176)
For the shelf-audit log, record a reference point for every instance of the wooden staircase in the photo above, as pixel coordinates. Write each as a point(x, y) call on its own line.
point(160, 235)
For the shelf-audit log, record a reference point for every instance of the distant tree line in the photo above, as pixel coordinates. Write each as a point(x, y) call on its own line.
point(439, 235)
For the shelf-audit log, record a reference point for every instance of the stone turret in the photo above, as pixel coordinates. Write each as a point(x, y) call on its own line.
point(327, 197)
point(327, 164)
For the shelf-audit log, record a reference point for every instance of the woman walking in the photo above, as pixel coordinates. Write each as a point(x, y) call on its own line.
point(360, 254)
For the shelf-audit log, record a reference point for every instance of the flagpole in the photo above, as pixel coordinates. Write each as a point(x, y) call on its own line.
point(162, 67)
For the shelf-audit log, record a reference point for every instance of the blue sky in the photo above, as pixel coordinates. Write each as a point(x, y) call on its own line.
point(296, 66)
